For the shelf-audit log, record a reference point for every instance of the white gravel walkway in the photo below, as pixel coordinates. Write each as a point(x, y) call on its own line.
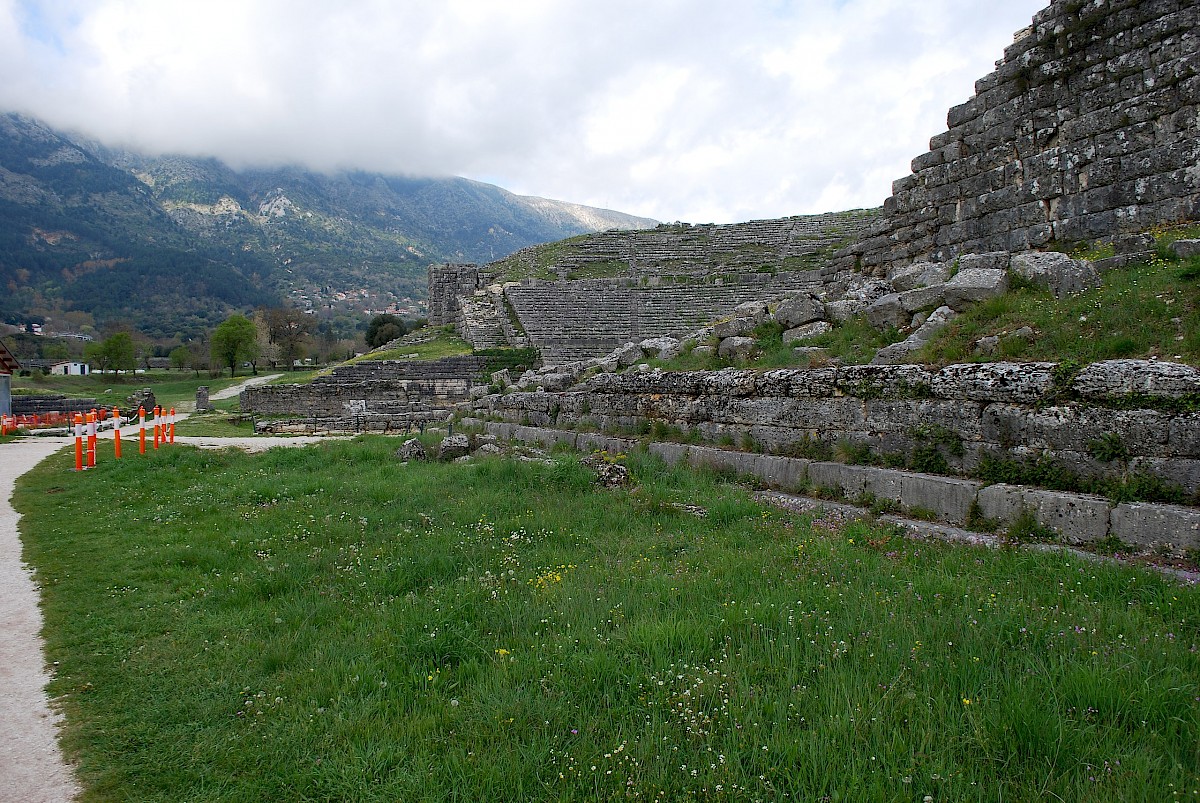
point(32, 769)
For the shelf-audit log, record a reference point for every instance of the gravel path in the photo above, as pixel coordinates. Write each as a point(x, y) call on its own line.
point(32, 769)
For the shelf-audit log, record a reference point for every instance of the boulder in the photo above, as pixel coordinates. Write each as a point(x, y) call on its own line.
point(609, 475)
point(975, 284)
point(735, 327)
point(453, 447)
point(411, 449)
point(844, 310)
point(737, 348)
point(665, 348)
point(919, 274)
point(628, 354)
point(866, 289)
point(807, 331)
point(1057, 272)
point(1186, 249)
point(704, 351)
point(754, 310)
point(922, 297)
point(888, 311)
point(489, 449)
point(799, 311)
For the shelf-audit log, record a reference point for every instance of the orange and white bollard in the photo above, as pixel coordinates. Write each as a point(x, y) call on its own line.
point(142, 430)
point(91, 440)
point(172, 420)
point(79, 441)
point(157, 426)
point(116, 433)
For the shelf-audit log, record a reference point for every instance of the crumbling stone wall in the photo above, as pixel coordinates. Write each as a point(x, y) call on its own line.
point(392, 392)
point(1089, 127)
point(448, 284)
point(1113, 419)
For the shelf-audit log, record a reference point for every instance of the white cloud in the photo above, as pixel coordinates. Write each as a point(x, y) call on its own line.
point(698, 111)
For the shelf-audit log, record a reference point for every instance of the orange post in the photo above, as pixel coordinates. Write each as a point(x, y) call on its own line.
point(157, 425)
point(91, 440)
point(142, 430)
point(116, 433)
point(172, 420)
point(79, 442)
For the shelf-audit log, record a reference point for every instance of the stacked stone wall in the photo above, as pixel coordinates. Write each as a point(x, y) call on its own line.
point(448, 285)
point(1101, 424)
point(50, 403)
point(1089, 127)
point(591, 317)
point(398, 392)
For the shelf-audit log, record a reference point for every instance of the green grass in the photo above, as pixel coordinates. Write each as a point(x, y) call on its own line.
point(430, 343)
point(326, 624)
point(170, 387)
point(214, 425)
point(1129, 316)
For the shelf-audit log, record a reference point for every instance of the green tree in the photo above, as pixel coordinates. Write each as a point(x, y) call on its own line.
point(233, 342)
point(181, 357)
point(114, 353)
point(384, 329)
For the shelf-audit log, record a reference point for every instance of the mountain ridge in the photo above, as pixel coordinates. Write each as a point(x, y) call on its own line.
point(225, 238)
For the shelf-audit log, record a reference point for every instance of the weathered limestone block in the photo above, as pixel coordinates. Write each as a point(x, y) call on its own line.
point(453, 446)
point(502, 378)
point(888, 311)
point(1186, 249)
point(922, 297)
point(735, 327)
point(919, 274)
point(1114, 379)
point(806, 332)
point(1020, 383)
point(973, 285)
point(728, 382)
point(911, 417)
point(1057, 272)
point(665, 348)
point(628, 354)
point(883, 381)
point(1072, 429)
point(992, 260)
point(754, 310)
point(800, 310)
point(1078, 518)
point(737, 348)
point(1157, 526)
point(556, 382)
point(411, 449)
point(845, 309)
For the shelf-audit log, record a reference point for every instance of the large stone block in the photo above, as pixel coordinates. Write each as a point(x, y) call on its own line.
point(888, 311)
point(1057, 272)
point(973, 285)
point(1157, 526)
point(799, 311)
point(1022, 383)
point(1077, 518)
point(883, 381)
point(1114, 379)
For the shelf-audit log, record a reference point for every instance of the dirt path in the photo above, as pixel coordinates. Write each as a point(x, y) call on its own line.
point(32, 769)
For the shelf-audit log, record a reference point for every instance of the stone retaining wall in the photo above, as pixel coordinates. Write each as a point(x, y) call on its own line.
point(1077, 518)
point(1088, 128)
point(1112, 420)
point(402, 391)
point(50, 403)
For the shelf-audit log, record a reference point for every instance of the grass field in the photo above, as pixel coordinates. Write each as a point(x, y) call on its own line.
point(328, 624)
point(170, 387)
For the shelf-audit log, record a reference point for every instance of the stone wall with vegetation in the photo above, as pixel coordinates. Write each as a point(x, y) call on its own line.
point(380, 392)
point(1127, 428)
point(1089, 127)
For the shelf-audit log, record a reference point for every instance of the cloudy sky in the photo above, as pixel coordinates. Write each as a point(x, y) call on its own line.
point(694, 110)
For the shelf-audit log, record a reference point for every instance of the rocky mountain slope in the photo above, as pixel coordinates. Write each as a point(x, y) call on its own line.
point(170, 243)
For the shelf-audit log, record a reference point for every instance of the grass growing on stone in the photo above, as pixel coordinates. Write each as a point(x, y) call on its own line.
point(430, 343)
point(326, 623)
point(1142, 311)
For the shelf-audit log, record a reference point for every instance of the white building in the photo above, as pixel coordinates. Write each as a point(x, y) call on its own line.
point(70, 369)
